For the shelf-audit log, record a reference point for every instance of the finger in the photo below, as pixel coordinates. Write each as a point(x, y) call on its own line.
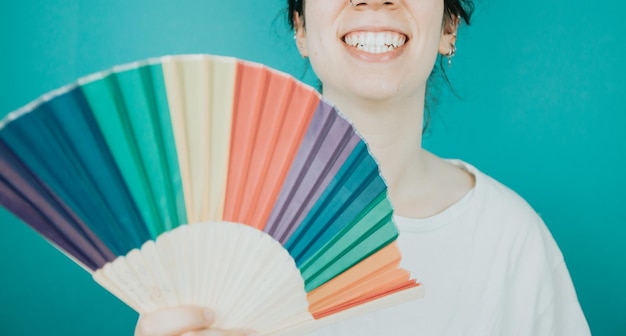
point(174, 321)
point(217, 332)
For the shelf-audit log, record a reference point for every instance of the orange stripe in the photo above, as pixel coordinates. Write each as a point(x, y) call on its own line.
point(378, 274)
point(249, 99)
point(297, 117)
point(271, 115)
point(372, 286)
point(320, 314)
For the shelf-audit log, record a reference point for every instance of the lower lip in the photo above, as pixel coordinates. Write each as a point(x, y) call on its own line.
point(374, 58)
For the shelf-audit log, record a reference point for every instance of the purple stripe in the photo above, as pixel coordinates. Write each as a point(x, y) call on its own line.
point(32, 201)
point(328, 142)
point(27, 212)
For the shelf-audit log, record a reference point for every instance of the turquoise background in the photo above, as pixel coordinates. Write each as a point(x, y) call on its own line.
point(542, 89)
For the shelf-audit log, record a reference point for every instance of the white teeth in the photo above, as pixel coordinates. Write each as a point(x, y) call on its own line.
point(375, 42)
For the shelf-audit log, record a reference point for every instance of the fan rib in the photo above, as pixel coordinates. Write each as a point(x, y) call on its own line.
point(261, 260)
point(163, 289)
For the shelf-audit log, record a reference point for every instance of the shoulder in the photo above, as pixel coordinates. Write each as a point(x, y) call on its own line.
point(493, 199)
point(498, 211)
point(536, 290)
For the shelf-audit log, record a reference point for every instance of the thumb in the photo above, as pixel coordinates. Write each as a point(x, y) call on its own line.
point(174, 321)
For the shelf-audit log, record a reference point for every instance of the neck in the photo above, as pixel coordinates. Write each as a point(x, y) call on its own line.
point(393, 131)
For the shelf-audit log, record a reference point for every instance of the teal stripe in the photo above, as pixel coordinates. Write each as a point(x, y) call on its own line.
point(127, 112)
point(176, 198)
point(143, 112)
point(62, 146)
point(354, 187)
point(109, 109)
point(367, 235)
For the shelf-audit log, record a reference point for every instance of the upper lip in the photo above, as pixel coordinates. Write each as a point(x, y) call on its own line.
point(375, 29)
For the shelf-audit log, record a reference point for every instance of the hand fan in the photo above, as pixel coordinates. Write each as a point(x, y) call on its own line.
point(210, 181)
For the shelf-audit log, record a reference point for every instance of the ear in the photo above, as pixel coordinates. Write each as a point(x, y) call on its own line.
point(300, 34)
point(448, 34)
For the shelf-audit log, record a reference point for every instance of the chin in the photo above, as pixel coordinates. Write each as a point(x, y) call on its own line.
point(376, 89)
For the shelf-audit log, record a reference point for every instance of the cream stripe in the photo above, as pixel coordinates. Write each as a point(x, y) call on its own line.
point(200, 91)
point(224, 74)
point(174, 88)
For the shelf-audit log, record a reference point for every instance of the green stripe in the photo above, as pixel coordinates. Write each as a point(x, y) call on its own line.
point(176, 199)
point(372, 230)
point(119, 108)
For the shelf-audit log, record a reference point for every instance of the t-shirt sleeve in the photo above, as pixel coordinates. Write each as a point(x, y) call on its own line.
point(562, 314)
point(536, 291)
point(550, 292)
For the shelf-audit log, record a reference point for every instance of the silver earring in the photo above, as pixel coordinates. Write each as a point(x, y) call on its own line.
point(451, 54)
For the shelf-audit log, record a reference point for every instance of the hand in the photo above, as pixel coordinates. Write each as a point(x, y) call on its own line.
point(183, 321)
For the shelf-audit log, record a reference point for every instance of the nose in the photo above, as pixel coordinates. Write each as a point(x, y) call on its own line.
point(374, 3)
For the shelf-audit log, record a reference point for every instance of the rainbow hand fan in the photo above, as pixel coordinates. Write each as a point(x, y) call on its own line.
point(209, 181)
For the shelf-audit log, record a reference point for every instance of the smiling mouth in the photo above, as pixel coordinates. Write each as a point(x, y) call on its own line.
point(375, 42)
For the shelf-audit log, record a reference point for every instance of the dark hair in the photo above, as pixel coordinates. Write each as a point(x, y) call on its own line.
point(452, 8)
point(293, 6)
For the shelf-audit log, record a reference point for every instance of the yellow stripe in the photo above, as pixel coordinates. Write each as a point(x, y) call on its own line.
point(200, 90)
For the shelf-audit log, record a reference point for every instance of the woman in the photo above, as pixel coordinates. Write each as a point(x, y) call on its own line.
point(488, 262)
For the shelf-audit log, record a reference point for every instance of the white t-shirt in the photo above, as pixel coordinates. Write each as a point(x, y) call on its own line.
point(489, 266)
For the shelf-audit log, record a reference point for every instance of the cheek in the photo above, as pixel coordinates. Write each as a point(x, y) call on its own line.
point(321, 18)
point(320, 51)
point(428, 16)
point(431, 36)
point(318, 57)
